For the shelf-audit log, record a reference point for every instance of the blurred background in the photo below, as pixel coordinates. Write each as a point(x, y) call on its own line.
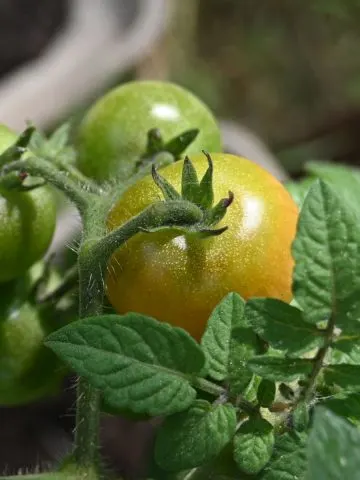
point(283, 77)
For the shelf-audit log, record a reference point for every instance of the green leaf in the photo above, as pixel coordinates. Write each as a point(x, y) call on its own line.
point(228, 343)
point(139, 363)
point(216, 341)
point(166, 188)
point(282, 326)
point(327, 256)
point(289, 458)
point(280, 369)
point(243, 346)
point(253, 445)
point(266, 393)
point(300, 417)
point(345, 405)
point(192, 438)
point(299, 190)
point(333, 448)
point(345, 180)
point(179, 144)
point(346, 350)
point(343, 375)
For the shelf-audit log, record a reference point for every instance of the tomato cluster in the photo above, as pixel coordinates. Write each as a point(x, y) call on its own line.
point(175, 277)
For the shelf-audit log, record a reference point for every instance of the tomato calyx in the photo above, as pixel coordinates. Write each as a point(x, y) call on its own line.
point(198, 192)
point(173, 148)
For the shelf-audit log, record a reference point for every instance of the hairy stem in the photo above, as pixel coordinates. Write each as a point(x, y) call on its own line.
point(161, 214)
point(318, 361)
point(38, 167)
point(91, 294)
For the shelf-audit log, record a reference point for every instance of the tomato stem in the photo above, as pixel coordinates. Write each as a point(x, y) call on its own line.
point(38, 167)
point(91, 295)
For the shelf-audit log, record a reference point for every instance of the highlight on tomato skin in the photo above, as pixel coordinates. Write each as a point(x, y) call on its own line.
point(180, 278)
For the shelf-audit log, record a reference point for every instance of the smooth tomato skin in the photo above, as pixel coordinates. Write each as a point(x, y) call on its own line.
point(27, 223)
point(180, 279)
point(113, 134)
point(28, 370)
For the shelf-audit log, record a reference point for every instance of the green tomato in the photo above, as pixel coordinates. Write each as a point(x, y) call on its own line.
point(29, 370)
point(113, 134)
point(27, 223)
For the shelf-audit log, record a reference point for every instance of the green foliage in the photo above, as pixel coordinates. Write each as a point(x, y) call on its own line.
point(253, 445)
point(333, 448)
point(289, 458)
point(192, 438)
point(137, 362)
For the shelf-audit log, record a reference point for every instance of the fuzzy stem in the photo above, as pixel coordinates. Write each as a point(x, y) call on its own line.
point(91, 293)
point(38, 167)
point(161, 214)
point(318, 360)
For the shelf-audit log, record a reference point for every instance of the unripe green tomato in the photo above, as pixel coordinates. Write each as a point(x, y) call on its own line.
point(180, 278)
point(28, 370)
point(113, 134)
point(27, 223)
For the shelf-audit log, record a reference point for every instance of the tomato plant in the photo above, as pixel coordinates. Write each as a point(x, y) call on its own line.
point(180, 278)
point(27, 223)
point(238, 315)
point(112, 137)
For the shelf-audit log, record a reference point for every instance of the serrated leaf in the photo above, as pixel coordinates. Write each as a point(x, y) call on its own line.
point(139, 363)
point(344, 375)
point(253, 445)
point(345, 180)
point(216, 339)
point(280, 369)
point(327, 256)
point(333, 448)
point(192, 438)
point(299, 190)
point(243, 346)
point(346, 350)
point(282, 326)
point(266, 393)
point(345, 405)
point(300, 417)
point(289, 458)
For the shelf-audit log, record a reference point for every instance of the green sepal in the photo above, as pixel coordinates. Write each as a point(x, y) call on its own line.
point(177, 145)
point(216, 214)
point(167, 189)
point(190, 187)
point(155, 143)
point(18, 148)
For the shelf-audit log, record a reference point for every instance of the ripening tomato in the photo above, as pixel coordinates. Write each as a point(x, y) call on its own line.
point(181, 278)
point(113, 134)
point(27, 223)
